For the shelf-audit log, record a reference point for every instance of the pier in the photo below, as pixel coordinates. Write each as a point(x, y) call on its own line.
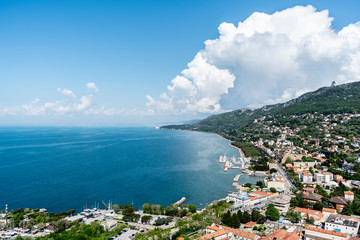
point(183, 199)
point(234, 162)
point(236, 178)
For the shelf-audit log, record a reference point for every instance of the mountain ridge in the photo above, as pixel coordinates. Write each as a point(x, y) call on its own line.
point(344, 98)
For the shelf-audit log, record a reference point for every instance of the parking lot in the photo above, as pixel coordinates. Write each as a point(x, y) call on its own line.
point(126, 234)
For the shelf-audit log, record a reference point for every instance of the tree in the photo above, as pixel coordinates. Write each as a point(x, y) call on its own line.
point(293, 216)
point(246, 217)
point(318, 206)
point(273, 170)
point(192, 208)
point(60, 225)
point(261, 219)
point(171, 210)
point(309, 220)
point(116, 208)
point(146, 208)
point(297, 201)
point(259, 183)
point(146, 219)
point(272, 213)
point(247, 185)
point(226, 218)
point(240, 216)
point(183, 213)
point(288, 160)
point(257, 217)
point(235, 223)
point(347, 210)
point(273, 190)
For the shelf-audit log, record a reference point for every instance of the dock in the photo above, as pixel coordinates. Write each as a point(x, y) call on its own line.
point(183, 199)
point(234, 163)
point(236, 178)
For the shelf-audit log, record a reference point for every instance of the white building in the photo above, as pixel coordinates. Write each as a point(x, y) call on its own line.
point(342, 224)
point(319, 177)
point(306, 177)
point(328, 177)
point(313, 233)
point(349, 195)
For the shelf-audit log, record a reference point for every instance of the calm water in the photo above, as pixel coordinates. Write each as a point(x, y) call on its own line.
point(61, 168)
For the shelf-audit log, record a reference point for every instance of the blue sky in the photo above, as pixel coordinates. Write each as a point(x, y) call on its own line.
point(128, 49)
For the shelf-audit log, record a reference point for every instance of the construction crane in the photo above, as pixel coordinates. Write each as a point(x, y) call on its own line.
point(108, 206)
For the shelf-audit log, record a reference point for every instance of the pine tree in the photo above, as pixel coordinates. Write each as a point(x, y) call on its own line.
point(246, 217)
point(226, 218)
point(235, 221)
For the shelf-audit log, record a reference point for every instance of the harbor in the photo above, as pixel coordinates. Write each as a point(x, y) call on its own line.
point(240, 163)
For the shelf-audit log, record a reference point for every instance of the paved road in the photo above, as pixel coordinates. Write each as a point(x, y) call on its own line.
point(126, 235)
point(287, 179)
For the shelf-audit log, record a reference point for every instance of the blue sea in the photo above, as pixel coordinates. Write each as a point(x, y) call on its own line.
point(62, 168)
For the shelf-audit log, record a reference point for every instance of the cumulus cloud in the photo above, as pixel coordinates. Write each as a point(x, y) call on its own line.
point(265, 59)
point(68, 105)
point(92, 87)
point(66, 92)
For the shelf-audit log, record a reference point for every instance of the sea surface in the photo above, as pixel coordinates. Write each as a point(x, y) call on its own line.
point(62, 168)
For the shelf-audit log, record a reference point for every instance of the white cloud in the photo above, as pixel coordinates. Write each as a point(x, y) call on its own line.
point(69, 105)
point(198, 89)
point(92, 87)
point(67, 92)
point(263, 60)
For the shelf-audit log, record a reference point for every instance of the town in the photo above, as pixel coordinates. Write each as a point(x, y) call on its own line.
point(311, 190)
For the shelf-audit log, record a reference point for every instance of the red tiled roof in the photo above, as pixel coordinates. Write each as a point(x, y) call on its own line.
point(218, 233)
point(221, 230)
point(317, 215)
point(281, 234)
point(262, 193)
point(249, 224)
point(331, 210)
point(326, 231)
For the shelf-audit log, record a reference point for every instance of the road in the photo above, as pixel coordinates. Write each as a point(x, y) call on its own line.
point(287, 179)
point(126, 235)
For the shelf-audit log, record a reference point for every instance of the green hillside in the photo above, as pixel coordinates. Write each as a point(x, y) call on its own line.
point(327, 100)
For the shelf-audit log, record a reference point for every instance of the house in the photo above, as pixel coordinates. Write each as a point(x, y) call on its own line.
point(249, 225)
point(313, 233)
point(305, 212)
point(348, 166)
point(219, 232)
point(338, 178)
point(277, 184)
point(281, 203)
point(338, 203)
point(306, 177)
point(308, 190)
point(272, 165)
point(349, 195)
point(292, 157)
point(319, 177)
point(282, 234)
point(342, 224)
point(216, 235)
point(319, 160)
point(304, 164)
point(328, 177)
point(312, 198)
point(328, 210)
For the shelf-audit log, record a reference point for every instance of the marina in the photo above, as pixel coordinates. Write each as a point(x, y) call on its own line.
point(241, 163)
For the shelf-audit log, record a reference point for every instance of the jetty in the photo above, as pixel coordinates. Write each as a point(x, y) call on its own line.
point(236, 178)
point(183, 199)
